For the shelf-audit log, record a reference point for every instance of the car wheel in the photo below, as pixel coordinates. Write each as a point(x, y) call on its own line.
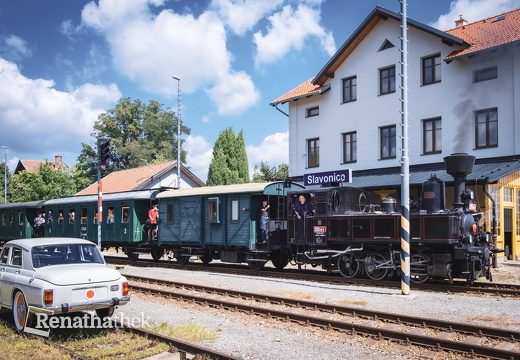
point(106, 312)
point(20, 311)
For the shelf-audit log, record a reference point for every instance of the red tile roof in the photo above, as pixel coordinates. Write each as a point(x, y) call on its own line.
point(137, 178)
point(488, 33)
point(305, 89)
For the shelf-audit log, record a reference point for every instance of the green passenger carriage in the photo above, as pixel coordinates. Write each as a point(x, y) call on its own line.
point(17, 219)
point(123, 222)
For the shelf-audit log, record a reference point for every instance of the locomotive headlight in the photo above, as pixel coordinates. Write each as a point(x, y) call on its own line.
point(468, 194)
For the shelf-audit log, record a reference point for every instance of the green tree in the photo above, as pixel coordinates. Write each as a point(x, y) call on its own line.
point(229, 164)
point(139, 134)
point(268, 173)
point(242, 161)
point(47, 183)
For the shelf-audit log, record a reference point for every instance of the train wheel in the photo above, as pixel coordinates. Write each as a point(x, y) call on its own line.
point(256, 264)
point(132, 256)
point(183, 259)
point(280, 259)
point(156, 253)
point(349, 265)
point(371, 267)
point(205, 259)
point(419, 268)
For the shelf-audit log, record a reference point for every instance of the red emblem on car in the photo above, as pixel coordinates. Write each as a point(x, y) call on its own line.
point(89, 294)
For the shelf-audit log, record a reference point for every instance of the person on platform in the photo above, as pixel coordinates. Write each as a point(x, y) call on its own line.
point(302, 210)
point(264, 222)
point(153, 216)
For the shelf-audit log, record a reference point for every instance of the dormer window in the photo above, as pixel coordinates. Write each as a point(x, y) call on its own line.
point(386, 45)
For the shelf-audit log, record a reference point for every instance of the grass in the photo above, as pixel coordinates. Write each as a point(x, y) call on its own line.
point(190, 333)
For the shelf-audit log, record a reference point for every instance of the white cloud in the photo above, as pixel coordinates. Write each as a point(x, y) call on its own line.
point(241, 15)
point(14, 47)
point(150, 49)
point(289, 29)
point(234, 93)
point(200, 153)
point(473, 10)
point(45, 120)
point(273, 150)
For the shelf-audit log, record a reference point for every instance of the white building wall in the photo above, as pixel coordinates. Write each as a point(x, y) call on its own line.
point(454, 99)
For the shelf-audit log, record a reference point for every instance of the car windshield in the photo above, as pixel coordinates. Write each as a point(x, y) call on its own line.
point(65, 254)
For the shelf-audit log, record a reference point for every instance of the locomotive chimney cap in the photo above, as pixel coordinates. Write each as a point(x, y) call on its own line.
point(459, 164)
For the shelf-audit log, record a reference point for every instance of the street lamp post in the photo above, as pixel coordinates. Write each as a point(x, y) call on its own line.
point(178, 130)
point(5, 174)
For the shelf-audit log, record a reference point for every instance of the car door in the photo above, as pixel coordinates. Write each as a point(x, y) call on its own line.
point(3, 263)
point(10, 274)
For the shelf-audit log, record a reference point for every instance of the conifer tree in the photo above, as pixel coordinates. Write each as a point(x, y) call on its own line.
point(229, 164)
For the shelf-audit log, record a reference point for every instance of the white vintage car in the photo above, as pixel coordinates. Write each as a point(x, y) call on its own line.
point(55, 276)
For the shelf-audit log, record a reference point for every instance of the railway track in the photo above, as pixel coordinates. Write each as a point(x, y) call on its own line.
point(491, 289)
point(433, 335)
point(138, 343)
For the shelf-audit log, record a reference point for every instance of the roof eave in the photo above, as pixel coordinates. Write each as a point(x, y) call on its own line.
point(384, 14)
point(321, 91)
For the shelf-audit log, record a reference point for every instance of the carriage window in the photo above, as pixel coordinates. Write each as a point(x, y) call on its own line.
point(11, 219)
point(234, 210)
point(125, 210)
point(71, 216)
point(110, 215)
point(4, 219)
point(214, 216)
point(95, 218)
point(83, 215)
point(169, 212)
point(60, 216)
point(20, 218)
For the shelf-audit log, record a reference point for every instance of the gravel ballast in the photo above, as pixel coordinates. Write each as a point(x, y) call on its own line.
point(255, 337)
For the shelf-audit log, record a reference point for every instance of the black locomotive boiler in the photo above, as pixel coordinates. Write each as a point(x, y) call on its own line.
point(362, 239)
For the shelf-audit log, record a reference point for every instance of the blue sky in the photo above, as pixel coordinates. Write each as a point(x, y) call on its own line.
point(64, 62)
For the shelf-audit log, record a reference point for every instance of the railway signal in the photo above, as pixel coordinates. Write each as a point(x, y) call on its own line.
point(103, 151)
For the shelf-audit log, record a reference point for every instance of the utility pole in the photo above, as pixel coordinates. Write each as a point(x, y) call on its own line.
point(405, 164)
point(178, 131)
point(5, 174)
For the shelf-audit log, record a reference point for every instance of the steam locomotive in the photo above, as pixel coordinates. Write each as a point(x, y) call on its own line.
point(362, 239)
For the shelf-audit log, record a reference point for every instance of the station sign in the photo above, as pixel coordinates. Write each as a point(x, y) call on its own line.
point(339, 176)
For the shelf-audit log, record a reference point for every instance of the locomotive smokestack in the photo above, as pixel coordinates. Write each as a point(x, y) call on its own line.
point(459, 165)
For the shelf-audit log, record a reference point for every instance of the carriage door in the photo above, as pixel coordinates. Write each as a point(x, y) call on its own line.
point(508, 233)
point(125, 222)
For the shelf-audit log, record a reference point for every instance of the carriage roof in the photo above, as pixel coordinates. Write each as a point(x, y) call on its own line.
point(270, 188)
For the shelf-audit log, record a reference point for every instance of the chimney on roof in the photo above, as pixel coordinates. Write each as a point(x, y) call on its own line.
point(460, 22)
point(58, 162)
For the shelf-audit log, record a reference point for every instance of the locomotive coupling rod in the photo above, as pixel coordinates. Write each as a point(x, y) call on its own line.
point(335, 253)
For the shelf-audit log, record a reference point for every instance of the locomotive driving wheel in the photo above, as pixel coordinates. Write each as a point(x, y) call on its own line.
point(280, 259)
point(419, 268)
point(373, 266)
point(349, 265)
